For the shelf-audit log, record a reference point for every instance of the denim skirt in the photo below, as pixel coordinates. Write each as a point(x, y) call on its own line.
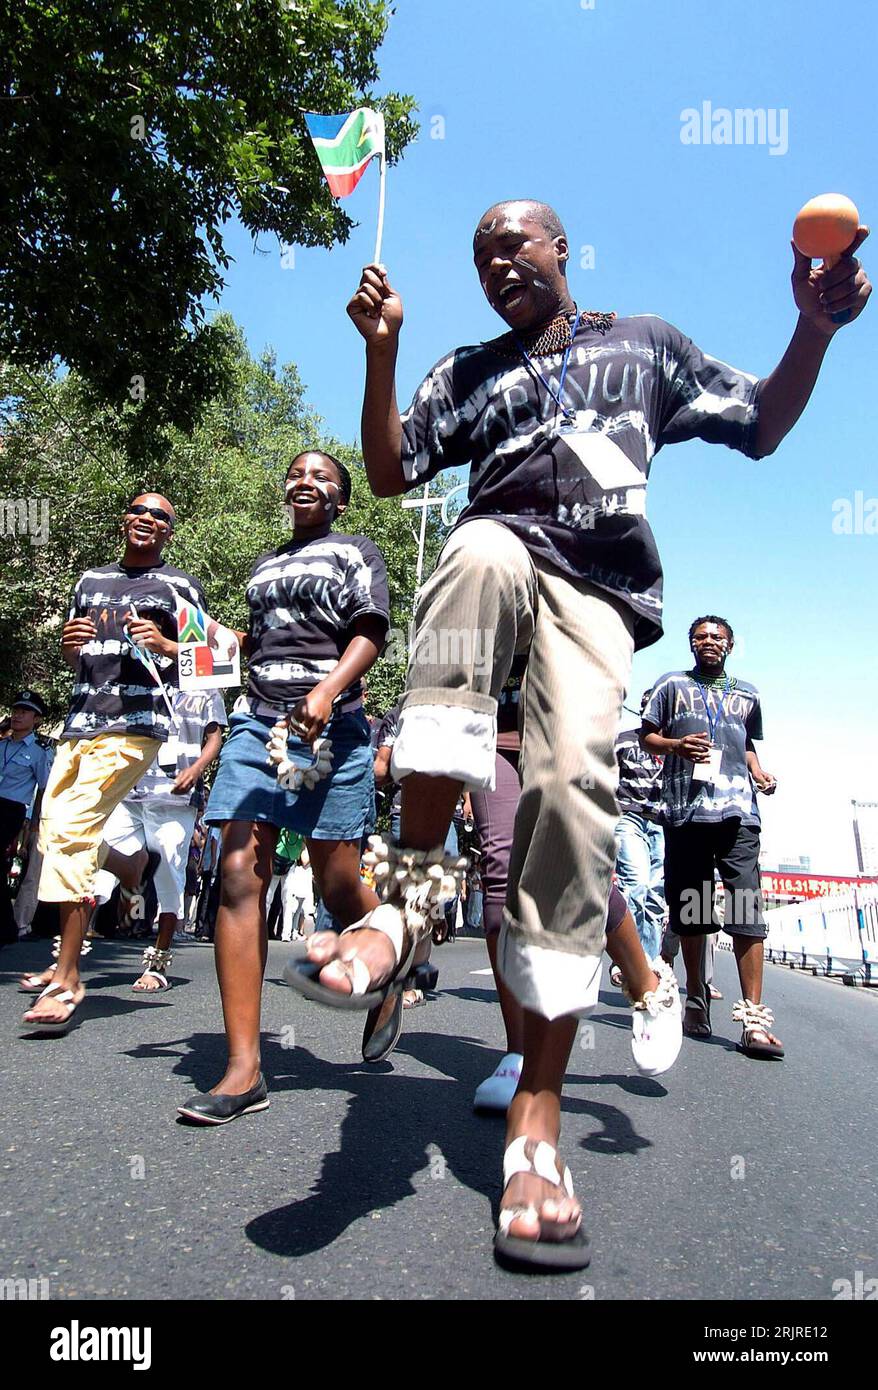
point(340, 807)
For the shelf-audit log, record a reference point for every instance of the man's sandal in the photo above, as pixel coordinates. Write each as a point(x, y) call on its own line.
point(413, 886)
point(155, 964)
point(61, 996)
point(551, 1249)
point(757, 1022)
point(33, 983)
point(696, 1020)
point(132, 901)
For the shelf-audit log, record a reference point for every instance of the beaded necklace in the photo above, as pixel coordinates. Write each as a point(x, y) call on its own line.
point(552, 338)
point(714, 682)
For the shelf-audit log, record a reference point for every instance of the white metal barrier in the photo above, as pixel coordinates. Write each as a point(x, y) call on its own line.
point(837, 935)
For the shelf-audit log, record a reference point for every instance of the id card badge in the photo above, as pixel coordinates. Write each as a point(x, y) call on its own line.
point(169, 753)
point(709, 771)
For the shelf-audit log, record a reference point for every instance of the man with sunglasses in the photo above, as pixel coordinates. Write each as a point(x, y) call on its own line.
point(116, 724)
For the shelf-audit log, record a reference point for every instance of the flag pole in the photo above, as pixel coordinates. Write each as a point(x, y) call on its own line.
point(149, 663)
point(378, 238)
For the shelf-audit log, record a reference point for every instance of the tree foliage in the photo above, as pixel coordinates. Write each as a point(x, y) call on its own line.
point(129, 135)
point(225, 480)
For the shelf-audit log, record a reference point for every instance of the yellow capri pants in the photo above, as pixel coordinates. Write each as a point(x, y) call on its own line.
point(89, 778)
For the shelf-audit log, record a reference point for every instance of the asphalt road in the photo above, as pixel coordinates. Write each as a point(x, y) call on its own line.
point(726, 1178)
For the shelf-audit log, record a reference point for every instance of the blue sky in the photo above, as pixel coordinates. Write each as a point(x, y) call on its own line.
point(581, 107)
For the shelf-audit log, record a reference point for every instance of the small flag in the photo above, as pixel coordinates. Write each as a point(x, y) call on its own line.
point(345, 144)
point(208, 657)
point(191, 624)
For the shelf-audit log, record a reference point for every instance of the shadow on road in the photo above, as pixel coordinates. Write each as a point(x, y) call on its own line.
point(394, 1128)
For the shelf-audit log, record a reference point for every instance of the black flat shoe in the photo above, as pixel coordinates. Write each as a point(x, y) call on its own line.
point(219, 1110)
point(378, 1043)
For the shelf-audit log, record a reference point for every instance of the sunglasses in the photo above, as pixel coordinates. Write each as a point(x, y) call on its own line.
point(159, 513)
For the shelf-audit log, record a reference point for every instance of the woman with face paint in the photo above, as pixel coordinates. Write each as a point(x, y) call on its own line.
point(319, 613)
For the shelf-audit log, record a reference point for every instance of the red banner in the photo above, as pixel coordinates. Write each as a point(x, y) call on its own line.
point(810, 885)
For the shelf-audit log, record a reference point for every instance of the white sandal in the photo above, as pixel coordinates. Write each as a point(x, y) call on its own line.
point(550, 1249)
point(61, 996)
point(414, 885)
point(155, 963)
point(33, 983)
point(757, 1022)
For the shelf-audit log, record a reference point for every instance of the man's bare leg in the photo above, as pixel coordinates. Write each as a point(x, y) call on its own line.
point(536, 1113)
point(696, 1018)
point(625, 950)
point(750, 956)
point(148, 984)
point(513, 1013)
point(74, 923)
point(128, 869)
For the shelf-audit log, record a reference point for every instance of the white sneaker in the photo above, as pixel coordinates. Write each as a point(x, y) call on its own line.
point(658, 1024)
point(616, 977)
point(497, 1091)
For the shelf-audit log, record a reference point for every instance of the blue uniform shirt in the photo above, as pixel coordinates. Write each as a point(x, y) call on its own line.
point(24, 766)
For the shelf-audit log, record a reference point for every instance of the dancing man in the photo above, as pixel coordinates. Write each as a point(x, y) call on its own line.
point(558, 420)
point(116, 724)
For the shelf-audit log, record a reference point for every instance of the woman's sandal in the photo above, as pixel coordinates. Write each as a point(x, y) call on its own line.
point(61, 996)
point(757, 1022)
point(551, 1249)
point(155, 963)
point(33, 983)
point(132, 901)
point(414, 885)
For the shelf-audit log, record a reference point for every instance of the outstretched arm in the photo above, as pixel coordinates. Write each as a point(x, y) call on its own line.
point(376, 310)
point(819, 294)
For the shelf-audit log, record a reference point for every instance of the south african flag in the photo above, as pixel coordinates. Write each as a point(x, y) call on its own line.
point(345, 144)
point(191, 623)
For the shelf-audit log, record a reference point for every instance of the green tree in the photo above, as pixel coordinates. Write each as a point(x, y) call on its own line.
point(130, 134)
point(58, 456)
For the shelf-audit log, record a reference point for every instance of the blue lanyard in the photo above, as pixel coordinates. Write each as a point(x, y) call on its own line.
point(711, 721)
point(556, 395)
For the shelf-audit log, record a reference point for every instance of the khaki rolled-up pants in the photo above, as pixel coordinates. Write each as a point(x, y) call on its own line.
point(89, 777)
point(489, 599)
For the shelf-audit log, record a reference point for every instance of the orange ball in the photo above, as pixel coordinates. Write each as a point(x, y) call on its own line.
point(826, 225)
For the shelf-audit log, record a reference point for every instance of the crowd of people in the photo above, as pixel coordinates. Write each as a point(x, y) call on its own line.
point(547, 584)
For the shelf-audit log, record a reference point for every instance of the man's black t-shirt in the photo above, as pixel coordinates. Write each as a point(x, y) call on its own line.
point(303, 599)
point(578, 499)
point(677, 707)
point(113, 692)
